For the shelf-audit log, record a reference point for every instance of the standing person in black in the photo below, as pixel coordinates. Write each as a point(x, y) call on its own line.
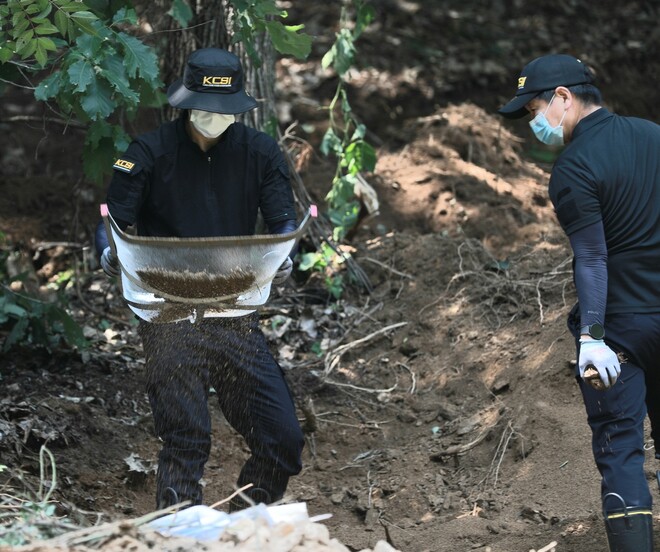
point(605, 188)
point(205, 175)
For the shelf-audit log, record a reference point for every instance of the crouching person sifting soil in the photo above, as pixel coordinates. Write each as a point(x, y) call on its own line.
point(205, 175)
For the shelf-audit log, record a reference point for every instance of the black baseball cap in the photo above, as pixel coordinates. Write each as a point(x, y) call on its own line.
point(545, 73)
point(212, 81)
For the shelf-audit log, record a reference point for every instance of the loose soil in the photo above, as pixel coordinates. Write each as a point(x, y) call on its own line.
point(440, 409)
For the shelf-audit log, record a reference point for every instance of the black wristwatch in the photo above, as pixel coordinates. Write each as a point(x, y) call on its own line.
point(594, 330)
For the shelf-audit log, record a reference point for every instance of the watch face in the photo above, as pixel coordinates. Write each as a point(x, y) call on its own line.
point(597, 331)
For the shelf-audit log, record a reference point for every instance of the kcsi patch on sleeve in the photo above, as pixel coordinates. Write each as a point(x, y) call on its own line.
point(124, 166)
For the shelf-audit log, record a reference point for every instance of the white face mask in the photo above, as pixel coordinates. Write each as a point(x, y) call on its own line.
point(210, 125)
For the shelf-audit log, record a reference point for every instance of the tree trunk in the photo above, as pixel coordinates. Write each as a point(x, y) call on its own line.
point(211, 26)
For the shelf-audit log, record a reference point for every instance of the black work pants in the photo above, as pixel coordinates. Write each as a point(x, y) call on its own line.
point(616, 416)
point(183, 361)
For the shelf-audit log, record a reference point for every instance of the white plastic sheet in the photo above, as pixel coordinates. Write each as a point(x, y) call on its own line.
point(206, 524)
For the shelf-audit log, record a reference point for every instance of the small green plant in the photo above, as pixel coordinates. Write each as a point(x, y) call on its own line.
point(30, 515)
point(317, 349)
point(35, 322)
point(32, 321)
point(345, 136)
point(327, 262)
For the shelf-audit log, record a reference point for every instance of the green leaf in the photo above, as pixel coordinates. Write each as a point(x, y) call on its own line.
point(328, 58)
point(265, 8)
point(360, 156)
point(14, 310)
point(71, 28)
point(18, 18)
point(287, 39)
point(125, 15)
point(244, 36)
point(85, 20)
point(49, 87)
point(342, 191)
point(84, 15)
point(331, 143)
point(365, 15)
point(16, 334)
point(32, 9)
point(45, 12)
point(181, 12)
point(97, 160)
point(19, 28)
point(81, 74)
point(113, 70)
point(138, 57)
point(40, 54)
point(121, 138)
point(97, 101)
point(39, 332)
point(98, 130)
point(28, 48)
point(73, 333)
point(46, 29)
point(72, 6)
point(89, 45)
point(61, 22)
point(360, 131)
point(47, 44)
point(344, 52)
point(6, 53)
point(150, 96)
point(344, 217)
point(311, 260)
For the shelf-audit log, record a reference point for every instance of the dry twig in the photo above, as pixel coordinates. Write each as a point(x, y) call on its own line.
point(332, 359)
point(502, 288)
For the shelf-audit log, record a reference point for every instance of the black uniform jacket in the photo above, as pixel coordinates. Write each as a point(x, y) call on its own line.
point(167, 186)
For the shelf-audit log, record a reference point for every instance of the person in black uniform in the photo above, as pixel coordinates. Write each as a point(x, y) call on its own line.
point(605, 188)
point(206, 175)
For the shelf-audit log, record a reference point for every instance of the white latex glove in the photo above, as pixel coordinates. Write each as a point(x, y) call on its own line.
point(283, 272)
point(594, 352)
point(109, 262)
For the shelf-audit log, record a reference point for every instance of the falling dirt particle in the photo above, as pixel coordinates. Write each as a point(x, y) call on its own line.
point(197, 285)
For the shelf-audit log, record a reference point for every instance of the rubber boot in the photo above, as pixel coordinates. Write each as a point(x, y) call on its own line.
point(630, 531)
point(248, 498)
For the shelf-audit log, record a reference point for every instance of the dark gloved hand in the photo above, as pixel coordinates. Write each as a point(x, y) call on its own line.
point(283, 272)
point(594, 352)
point(109, 262)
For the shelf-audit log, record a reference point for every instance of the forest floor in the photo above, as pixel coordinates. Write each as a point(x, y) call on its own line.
point(441, 409)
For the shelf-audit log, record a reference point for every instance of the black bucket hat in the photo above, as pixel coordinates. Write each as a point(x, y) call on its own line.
point(545, 73)
point(212, 81)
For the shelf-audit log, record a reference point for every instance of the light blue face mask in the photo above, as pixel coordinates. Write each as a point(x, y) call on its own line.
point(553, 136)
